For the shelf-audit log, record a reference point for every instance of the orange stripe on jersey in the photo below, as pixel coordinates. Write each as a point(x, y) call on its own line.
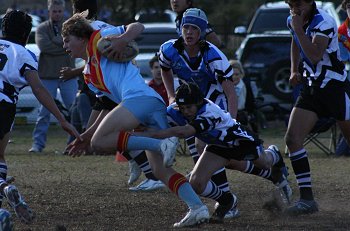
point(175, 182)
point(95, 77)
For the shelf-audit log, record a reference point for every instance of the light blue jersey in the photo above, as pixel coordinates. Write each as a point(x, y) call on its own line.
point(116, 80)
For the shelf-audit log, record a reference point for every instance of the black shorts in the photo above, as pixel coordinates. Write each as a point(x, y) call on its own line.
point(7, 116)
point(104, 103)
point(331, 101)
point(247, 150)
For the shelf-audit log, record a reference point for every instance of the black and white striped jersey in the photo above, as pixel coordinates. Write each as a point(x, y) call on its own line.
point(213, 125)
point(330, 66)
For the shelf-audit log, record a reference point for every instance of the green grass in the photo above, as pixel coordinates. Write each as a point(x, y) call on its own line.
point(91, 193)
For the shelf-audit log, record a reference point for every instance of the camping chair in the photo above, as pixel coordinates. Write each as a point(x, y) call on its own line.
point(323, 125)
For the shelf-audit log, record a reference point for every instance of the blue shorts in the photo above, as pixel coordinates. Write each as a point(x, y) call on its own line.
point(149, 110)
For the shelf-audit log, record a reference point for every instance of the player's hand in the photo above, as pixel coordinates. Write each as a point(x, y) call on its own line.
point(297, 21)
point(78, 147)
point(295, 78)
point(70, 129)
point(66, 73)
point(171, 100)
point(115, 50)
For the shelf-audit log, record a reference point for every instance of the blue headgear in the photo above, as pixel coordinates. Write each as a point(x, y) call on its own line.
point(195, 17)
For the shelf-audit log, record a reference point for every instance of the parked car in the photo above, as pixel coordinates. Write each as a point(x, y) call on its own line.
point(272, 16)
point(154, 16)
point(154, 35)
point(265, 51)
point(142, 61)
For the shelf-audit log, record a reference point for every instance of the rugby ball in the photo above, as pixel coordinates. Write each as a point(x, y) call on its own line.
point(130, 52)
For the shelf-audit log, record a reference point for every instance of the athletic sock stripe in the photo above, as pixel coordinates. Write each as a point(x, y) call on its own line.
point(122, 141)
point(175, 182)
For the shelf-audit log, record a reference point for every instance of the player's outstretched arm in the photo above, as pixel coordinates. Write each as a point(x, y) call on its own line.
point(177, 131)
point(47, 101)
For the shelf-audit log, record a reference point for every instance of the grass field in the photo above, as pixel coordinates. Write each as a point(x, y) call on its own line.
point(91, 192)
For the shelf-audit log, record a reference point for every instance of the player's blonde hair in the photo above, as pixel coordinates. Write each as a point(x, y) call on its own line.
point(78, 26)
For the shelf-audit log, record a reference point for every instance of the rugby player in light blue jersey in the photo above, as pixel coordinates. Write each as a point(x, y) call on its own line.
point(138, 104)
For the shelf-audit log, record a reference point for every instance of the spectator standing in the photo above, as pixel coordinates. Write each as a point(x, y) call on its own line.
point(52, 58)
point(240, 88)
point(343, 34)
point(157, 82)
point(344, 46)
point(81, 108)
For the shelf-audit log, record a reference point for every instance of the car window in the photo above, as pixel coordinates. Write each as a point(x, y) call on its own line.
point(261, 49)
point(154, 17)
point(273, 17)
point(270, 20)
point(151, 40)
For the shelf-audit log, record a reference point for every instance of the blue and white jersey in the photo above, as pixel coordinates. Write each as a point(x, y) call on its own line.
point(208, 70)
point(330, 66)
point(213, 125)
point(116, 80)
point(15, 60)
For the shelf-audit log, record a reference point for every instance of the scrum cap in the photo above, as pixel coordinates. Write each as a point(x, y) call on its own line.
point(195, 17)
point(188, 93)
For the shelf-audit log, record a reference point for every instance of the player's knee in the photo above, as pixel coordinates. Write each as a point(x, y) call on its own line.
point(291, 140)
point(264, 164)
point(197, 184)
point(96, 144)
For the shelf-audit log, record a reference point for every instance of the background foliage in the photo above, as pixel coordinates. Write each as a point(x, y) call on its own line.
point(224, 15)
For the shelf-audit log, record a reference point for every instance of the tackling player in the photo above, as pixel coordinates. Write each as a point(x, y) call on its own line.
point(226, 140)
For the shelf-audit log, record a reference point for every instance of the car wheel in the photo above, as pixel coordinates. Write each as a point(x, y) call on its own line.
point(278, 81)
